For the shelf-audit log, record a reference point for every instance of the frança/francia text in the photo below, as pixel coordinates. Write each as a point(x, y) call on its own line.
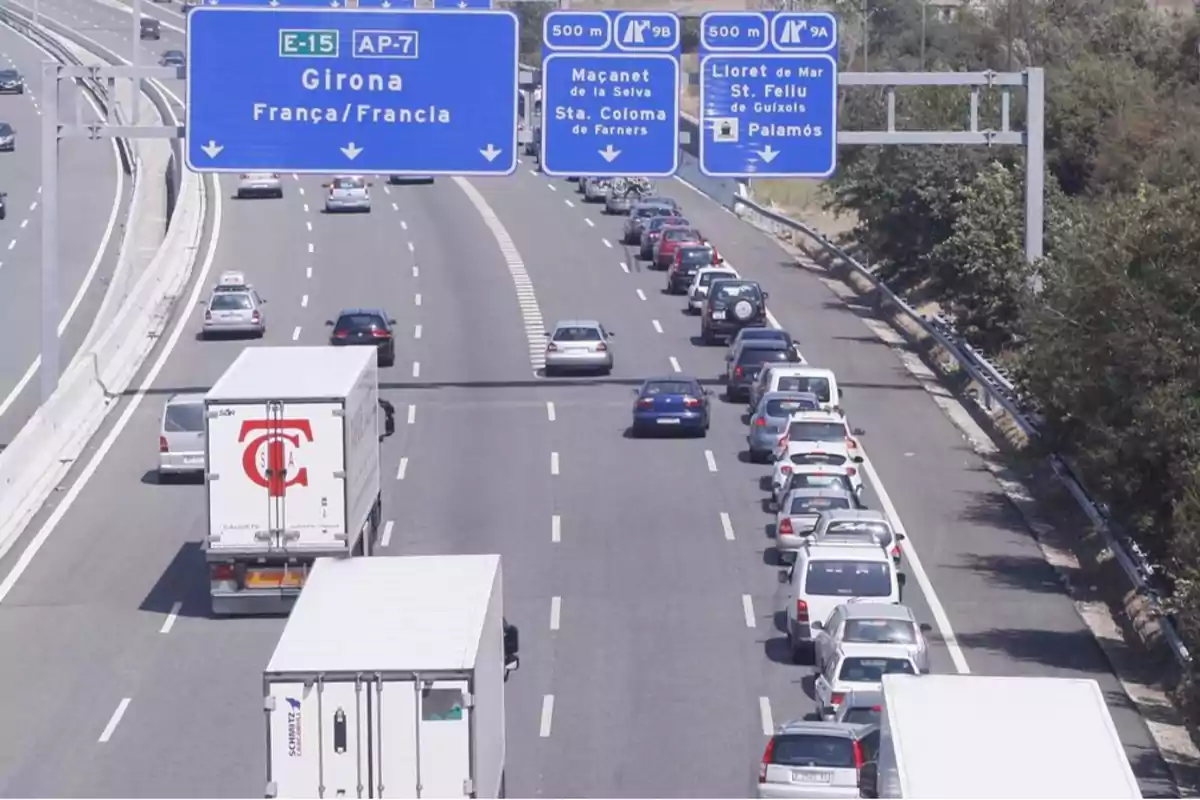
point(328, 80)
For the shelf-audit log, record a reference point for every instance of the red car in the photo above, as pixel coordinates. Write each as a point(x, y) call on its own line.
point(672, 237)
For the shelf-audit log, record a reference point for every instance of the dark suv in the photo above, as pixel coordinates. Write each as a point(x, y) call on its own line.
point(732, 305)
point(751, 358)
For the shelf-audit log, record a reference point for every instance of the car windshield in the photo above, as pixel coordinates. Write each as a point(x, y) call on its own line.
point(815, 505)
point(880, 631)
point(872, 670)
point(796, 383)
point(359, 322)
point(807, 431)
point(228, 301)
point(863, 715)
point(784, 407)
point(848, 579)
point(825, 459)
point(732, 291)
point(680, 235)
point(577, 334)
point(709, 277)
point(756, 356)
point(695, 256)
point(348, 183)
point(669, 387)
point(184, 418)
point(804, 750)
point(5, 129)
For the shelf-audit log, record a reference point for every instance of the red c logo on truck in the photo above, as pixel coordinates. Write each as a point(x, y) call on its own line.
point(275, 481)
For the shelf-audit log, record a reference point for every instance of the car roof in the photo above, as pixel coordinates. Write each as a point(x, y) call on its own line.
point(879, 611)
point(346, 312)
point(847, 551)
point(873, 649)
point(184, 398)
point(765, 344)
point(801, 727)
point(857, 515)
point(577, 323)
point(816, 415)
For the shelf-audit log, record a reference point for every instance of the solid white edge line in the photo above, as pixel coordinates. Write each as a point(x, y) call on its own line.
point(115, 720)
point(547, 716)
point(72, 494)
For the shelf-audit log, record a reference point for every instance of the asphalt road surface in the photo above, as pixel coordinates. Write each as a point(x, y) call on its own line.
point(93, 196)
point(639, 570)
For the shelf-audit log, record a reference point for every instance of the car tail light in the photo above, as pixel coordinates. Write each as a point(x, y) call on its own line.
point(162, 445)
point(208, 316)
point(760, 423)
point(551, 348)
point(785, 527)
point(851, 471)
point(768, 754)
point(737, 372)
point(858, 756)
point(851, 444)
point(255, 317)
point(896, 553)
point(340, 334)
point(222, 572)
point(601, 348)
point(801, 611)
point(646, 402)
point(877, 709)
point(691, 402)
point(836, 699)
point(380, 334)
point(786, 469)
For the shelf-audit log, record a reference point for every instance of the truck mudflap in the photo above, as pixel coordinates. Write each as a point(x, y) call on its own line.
point(255, 589)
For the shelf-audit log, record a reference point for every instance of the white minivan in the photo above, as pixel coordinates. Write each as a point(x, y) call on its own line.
point(181, 437)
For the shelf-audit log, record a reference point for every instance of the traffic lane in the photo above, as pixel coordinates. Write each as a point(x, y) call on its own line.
point(128, 565)
point(655, 662)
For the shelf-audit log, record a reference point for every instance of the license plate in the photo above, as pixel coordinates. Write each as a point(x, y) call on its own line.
point(193, 460)
point(718, 315)
point(800, 776)
point(274, 580)
point(668, 421)
point(577, 349)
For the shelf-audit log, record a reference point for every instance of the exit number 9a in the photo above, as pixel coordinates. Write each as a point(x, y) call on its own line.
point(301, 43)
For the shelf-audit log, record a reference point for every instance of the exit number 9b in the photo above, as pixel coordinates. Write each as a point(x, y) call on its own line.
point(301, 43)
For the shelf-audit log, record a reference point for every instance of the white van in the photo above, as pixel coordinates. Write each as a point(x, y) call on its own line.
point(798, 378)
point(181, 437)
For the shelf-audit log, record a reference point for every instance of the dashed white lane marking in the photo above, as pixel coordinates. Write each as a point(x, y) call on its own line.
point(641, 295)
point(115, 720)
point(304, 301)
point(727, 526)
point(305, 207)
point(550, 410)
point(416, 369)
point(416, 271)
point(417, 299)
point(569, 203)
point(589, 222)
point(296, 334)
point(295, 176)
point(308, 224)
point(553, 188)
point(607, 243)
point(675, 364)
point(712, 462)
point(547, 715)
point(12, 244)
point(308, 272)
point(533, 172)
point(310, 247)
point(554, 463)
point(657, 325)
point(403, 225)
point(387, 190)
point(24, 223)
point(412, 248)
point(555, 612)
point(169, 622)
point(302, 190)
point(33, 205)
point(764, 712)
point(402, 469)
point(412, 414)
point(395, 207)
point(386, 539)
point(748, 610)
point(417, 332)
point(556, 528)
point(531, 314)
point(624, 267)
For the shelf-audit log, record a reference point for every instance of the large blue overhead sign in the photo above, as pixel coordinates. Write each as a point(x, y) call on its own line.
point(768, 94)
point(610, 98)
point(352, 91)
point(332, 4)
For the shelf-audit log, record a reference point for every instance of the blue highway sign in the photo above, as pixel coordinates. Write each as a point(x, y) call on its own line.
point(332, 4)
point(771, 111)
point(610, 94)
point(371, 91)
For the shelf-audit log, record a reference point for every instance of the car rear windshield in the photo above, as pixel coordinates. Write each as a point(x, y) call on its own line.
point(359, 322)
point(5, 129)
point(813, 750)
point(184, 418)
point(651, 211)
point(755, 356)
point(709, 277)
point(810, 480)
point(231, 302)
point(797, 383)
point(680, 235)
point(825, 459)
point(784, 407)
point(669, 387)
point(884, 631)
point(576, 334)
point(695, 256)
point(734, 291)
point(808, 431)
point(348, 183)
point(872, 670)
point(848, 579)
point(663, 221)
point(815, 505)
point(861, 716)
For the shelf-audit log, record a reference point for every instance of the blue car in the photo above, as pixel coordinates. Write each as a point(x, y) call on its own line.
point(671, 404)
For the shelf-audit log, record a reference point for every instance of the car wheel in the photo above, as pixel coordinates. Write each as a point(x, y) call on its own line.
point(3, 213)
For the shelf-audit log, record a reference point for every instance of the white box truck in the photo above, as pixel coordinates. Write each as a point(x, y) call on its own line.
point(292, 440)
point(972, 736)
point(388, 681)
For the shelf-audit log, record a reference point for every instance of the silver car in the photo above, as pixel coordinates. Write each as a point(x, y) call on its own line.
point(798, 512)
point(259, 184)
point(594, 189)
point(235, 313)
point(871, 623)
point(639, 214)
point(771, 418)
point(818, 760)
point(348, 193)
point(181, 437)
point(579, 344)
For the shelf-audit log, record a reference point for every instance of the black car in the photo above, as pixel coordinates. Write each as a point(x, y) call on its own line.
point(730, 306)
point(742, 373)
point(149, 28)
point(11, 82)
point(689, 258)
point(365, 326)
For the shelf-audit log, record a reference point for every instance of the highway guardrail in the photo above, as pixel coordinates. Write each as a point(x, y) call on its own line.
point(995, 393)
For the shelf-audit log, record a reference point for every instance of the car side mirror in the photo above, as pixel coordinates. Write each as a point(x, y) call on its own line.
point(857, 459)
point(925, 627)
point(766, 295)
point(901, 579)
point(858, 432)
point(324, 185)
point(900, 537)
point(391, 322)
point(708, 392)
point(329, 323)
point(512, 643)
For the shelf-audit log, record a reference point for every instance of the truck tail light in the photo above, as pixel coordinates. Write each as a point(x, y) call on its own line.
point(851, 444)
point(896, 553)
point(768, 754)
point(222, 572)
point(801, 611)
point(858, 756)
point(836, 699)
point(785, 527)
point(851, 471)
point(162, 445)
point(737, 372)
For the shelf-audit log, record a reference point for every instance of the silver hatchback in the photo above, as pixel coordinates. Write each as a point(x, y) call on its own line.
point(234, 313)
point(348, 193)
point(181, 437)
point(580, 344)
point(819, 760)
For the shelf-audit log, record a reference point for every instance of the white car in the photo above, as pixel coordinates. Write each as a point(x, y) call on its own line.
point(703, 278)
point(872, 623)
point(259, 184)
point(348, 193)
point(827, 575)
point(820, 427)
point(858, 525)
point(859, 667)
point(804, 454)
